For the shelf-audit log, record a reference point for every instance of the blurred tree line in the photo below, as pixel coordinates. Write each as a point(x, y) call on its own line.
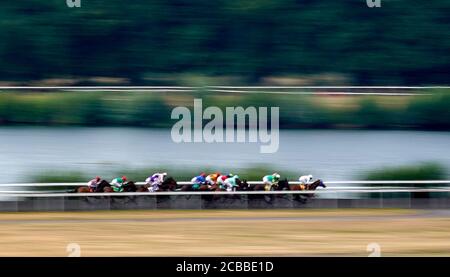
point(140, 109)
point(404, 42)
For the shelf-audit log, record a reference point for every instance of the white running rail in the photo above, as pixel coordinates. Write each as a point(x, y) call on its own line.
point(181, 193)
point(329, 190)
point(183, 183)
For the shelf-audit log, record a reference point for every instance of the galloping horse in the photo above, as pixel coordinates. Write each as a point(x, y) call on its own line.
point(282, 185)
point(316, 184)
point(129, 187)
point(312, 186)
point(100, 187)
point(169, 184)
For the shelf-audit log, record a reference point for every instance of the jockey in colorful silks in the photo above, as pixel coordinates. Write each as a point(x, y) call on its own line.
point(92, 184)
point(271, 181)
point(231, 183)
point(199, 180)
point(117, 183)
point(211, 179)
point(221, 181)
point(155, 181)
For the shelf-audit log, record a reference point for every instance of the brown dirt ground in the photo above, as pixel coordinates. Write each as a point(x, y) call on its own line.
point(225, 233)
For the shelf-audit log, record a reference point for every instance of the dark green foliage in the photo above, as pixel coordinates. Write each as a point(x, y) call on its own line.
point(428, 112)
point(404, 42)
point(426, 171)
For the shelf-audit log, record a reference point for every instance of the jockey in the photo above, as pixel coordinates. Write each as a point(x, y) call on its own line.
point(221, 181)
point(155, 181)
point(117, 183)
point(199, 180)
point(92, 184)
point(270, 181)
point(305, 180)
point(211, 179)
point(230, 182)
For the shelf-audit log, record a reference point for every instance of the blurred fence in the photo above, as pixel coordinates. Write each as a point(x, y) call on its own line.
point(237, 200)
point(332, 197)
point(12, 188)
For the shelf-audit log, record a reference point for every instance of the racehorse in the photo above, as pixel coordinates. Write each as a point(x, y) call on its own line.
point(282, 185)
point(129, 187)
point(312, 186)
point(100, 187)
point(316, 184)
point(169, 184)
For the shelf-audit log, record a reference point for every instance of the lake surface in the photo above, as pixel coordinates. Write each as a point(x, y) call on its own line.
point(327, 154)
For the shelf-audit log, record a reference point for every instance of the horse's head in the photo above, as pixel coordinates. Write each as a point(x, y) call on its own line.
point(317, 184)
point(321, 184)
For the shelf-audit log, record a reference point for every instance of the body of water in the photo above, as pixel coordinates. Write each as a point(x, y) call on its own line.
point(327, 154)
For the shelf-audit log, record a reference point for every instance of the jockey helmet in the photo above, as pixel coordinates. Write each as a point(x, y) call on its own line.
point(97, 178)
point(203, 174)
point(276, 176)
point(124, 178)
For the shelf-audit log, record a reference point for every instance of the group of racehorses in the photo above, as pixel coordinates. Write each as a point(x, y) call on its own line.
point(169, 184)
